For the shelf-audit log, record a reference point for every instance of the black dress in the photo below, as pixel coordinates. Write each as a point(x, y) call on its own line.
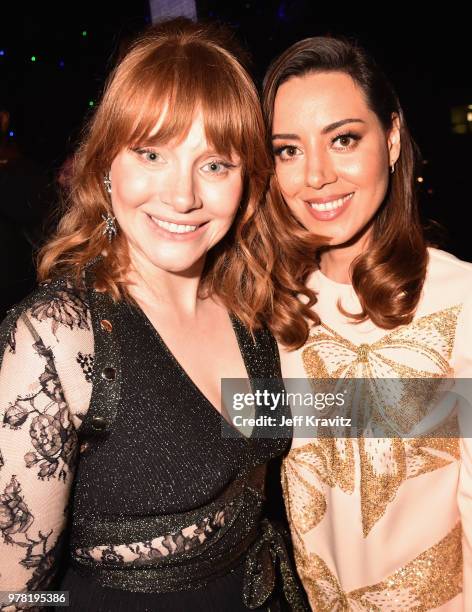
point(168, 512)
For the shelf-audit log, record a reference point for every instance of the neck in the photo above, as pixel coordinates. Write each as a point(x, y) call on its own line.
point(336, 261)
point(153, 286)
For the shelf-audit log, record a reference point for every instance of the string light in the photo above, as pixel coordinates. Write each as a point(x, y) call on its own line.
point(84, 33)
point(61, 64)
point(91, 103)
point(33, 58)
point(11, 134)
point(2, 52)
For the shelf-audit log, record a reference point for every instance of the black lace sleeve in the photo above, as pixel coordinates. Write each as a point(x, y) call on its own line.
point(38, 446)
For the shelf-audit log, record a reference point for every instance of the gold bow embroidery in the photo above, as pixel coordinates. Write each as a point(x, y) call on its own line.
point(421, 350)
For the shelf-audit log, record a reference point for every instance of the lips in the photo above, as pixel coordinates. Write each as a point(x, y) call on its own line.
point(326, 209)
point(176, 231)
point(174, 228)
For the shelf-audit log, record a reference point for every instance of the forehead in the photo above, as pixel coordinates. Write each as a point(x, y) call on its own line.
point(319, 99)
point(181, 124)
point(192, 131)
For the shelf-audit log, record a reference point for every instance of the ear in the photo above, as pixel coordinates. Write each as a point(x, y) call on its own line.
point(393, 140)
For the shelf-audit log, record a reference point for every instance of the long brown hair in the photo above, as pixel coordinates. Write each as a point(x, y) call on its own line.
point(389, 276)
point(188, 67)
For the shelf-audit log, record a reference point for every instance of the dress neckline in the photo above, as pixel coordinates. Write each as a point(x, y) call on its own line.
point(325, 280)
point(189, 380)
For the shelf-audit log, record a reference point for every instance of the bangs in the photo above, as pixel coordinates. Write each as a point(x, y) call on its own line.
point(173, 85)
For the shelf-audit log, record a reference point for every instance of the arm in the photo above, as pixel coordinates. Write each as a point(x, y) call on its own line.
point(38, 454)
point(463, 372)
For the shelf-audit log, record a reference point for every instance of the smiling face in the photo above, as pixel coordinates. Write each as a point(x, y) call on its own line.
point(332, 155)
point(175, 201)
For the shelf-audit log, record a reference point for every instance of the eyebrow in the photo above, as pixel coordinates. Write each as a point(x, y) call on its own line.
point(329, 128)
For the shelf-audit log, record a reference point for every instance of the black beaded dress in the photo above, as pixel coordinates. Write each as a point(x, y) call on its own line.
point(167, 507)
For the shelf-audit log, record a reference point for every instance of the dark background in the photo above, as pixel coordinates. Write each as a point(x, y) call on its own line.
point(427, 59)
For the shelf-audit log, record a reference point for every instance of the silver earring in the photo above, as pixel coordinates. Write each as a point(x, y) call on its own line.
point(107, 183)
point(109, 230)
point(392, 168)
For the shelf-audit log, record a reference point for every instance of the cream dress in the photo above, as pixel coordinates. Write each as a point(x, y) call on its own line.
point(386, 523)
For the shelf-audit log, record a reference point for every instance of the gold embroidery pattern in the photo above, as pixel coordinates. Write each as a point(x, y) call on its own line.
point(328, 354)
point(430, 580)
point(328, 461)
point(385, 462)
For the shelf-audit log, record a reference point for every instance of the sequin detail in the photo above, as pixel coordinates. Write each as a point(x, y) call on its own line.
point(430, 580)
point(385, 463)
point(142, 553)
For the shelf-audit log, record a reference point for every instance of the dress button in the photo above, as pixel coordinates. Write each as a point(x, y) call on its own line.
point(99, 423)
point(84, 447)
point(109, 373)
point(106, 325)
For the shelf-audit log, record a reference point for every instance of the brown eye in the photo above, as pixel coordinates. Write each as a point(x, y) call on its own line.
point(344, 141)
point(287, 152)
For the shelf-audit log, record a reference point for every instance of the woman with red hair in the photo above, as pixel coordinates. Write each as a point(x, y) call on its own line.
point(117, 358)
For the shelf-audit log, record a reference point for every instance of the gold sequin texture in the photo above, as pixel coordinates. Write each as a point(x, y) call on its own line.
point(428, 581)
point(328, 461)
point(385, 463)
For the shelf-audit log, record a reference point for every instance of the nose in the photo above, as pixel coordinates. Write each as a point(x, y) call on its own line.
point(319, 170)
point(179, 190)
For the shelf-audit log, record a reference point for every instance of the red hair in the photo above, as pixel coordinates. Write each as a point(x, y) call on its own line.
point(185, 66)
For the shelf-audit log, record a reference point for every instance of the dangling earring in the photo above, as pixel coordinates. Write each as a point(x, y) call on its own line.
point(392, 169)
point(109, 230)
point(107, 183)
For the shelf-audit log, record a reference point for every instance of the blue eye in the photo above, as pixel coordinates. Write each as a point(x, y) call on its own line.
point(149, 155)
point(217, 167)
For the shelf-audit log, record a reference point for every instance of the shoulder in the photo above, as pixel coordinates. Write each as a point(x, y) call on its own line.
point(448, 279)
point(449, 284)
point(51, 313)
point(447, 268)
point(48, 339)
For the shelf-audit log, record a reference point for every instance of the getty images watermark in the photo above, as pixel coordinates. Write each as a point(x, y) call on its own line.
point(274, 402)
point(374, 407)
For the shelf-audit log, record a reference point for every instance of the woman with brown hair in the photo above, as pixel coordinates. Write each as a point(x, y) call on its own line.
point(379, 519)
point(117, 357)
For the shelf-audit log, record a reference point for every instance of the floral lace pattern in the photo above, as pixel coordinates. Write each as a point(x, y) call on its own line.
point(143, 553)
point(85, 360)
point(66, 306)
point(11, 340)
point(52, 435)
point(16, 527)
point(37, 435)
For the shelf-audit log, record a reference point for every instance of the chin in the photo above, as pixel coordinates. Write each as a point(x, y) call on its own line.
point(174, 263)
point(174, 267)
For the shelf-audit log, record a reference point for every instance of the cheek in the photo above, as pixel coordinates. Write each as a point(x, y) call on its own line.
point(132, 191)
point(290, 177)
point(370, 169)
point(222, 199)
point(129, 185)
